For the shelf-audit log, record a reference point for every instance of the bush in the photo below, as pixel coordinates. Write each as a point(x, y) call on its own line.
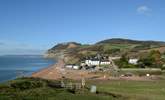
point(163, 67)
point(22, 85)
point(123, 62)
point(54, 84)
point(152, 60)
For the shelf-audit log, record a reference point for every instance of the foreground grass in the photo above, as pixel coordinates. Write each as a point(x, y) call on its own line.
point(135, 90)
point(38, 89)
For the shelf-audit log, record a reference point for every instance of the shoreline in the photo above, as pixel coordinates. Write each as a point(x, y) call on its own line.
point(47, 72)
point(57, 71)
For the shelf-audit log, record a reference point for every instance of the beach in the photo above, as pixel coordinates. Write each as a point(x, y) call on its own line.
point(57, 71)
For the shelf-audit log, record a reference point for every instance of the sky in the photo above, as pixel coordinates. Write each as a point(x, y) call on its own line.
point(33, 26)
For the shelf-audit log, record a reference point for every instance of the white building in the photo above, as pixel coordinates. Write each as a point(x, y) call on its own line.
point(133, 61)
point(76, 67)
point(92, 62)
point(105, 62)
point(72, 67)
point(69, 66)
point(83, 64)
point(96, 62)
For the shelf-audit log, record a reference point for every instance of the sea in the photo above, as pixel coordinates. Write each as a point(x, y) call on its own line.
point(13, 66)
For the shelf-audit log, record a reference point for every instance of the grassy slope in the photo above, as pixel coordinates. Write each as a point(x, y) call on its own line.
point(161, 49)
point(130, 90)
point(75, 52)
point(43, 92)
point(135, 90)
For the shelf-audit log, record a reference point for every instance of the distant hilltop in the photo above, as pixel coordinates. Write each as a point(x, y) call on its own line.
point(73, 52)
point(129, 41)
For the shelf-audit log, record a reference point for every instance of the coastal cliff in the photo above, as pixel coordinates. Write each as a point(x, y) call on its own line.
point(62, 51)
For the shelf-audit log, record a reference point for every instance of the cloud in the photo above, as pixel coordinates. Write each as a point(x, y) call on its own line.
point(143, 10)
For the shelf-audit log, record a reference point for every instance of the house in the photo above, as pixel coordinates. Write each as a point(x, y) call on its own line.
point(72, 67)
point(69, 66)
point(83, 64)
point(97, 62)
point(133, 61)
point(76, 67)
point(92, 62)
point(105, 62)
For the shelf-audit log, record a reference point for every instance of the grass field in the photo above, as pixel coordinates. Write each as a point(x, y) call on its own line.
point(140, 71)
point(38, 89)
point(117, 46)
point(135, 90)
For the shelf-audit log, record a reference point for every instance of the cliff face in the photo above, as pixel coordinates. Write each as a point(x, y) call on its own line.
point(73, 52)
point(66, 45)
point(62, 51)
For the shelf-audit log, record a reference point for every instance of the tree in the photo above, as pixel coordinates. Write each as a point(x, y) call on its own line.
point(145, 62)
point(153, 59)
point(156, 56)
point(122, 62)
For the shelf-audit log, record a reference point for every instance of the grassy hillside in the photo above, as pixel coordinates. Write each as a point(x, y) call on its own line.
point(39, 89)
point(74, 52)
point(135, 90)
point(129, 41)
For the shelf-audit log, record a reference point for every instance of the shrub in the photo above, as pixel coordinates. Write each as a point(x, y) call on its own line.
point(22, 85)
point(53, 84)
point(163, 67)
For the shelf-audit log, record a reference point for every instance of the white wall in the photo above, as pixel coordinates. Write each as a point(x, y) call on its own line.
point(69, 66)
point(105, 63)
point(90, 62)
point(133, 61)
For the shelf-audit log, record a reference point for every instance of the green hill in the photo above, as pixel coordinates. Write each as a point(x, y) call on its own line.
point(74, 52)
point(129, 41)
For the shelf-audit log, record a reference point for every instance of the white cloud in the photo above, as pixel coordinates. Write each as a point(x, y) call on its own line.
point(143, 10)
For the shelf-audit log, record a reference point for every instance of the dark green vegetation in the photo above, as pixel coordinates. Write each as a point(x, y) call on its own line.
point(75, 52)
point(39, 89)
point(152, 59)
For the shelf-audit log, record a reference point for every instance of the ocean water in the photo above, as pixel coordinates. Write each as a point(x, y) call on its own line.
point(21, 65)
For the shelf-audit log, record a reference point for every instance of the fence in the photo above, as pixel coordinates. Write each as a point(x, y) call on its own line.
point(71, 85)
